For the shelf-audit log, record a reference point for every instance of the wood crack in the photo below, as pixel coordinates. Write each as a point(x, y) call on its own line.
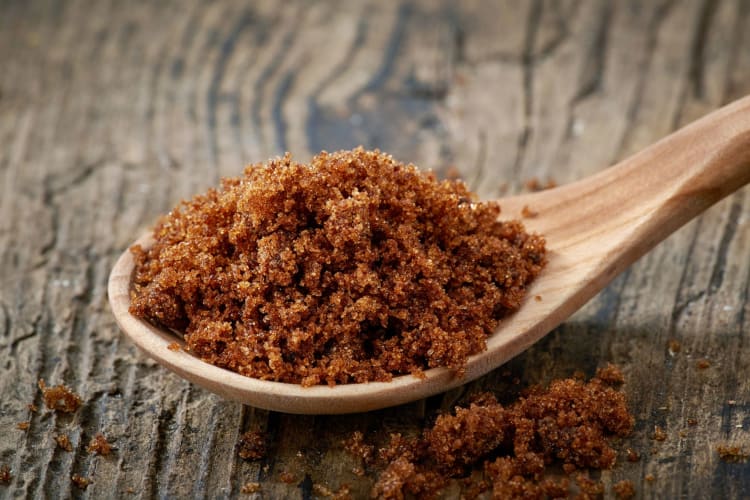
point(720, 264)
point(60, 183)
point(268, 72)
point(594, 68)
point(277, 112)
point(391, 51)
point(698, 49)
point(532, 27)
point(632, 112)
point(246, 19)
point(314, 113)
point(480, 162)
point(153, 475)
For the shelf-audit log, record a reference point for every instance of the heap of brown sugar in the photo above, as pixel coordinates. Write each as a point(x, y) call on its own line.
point(510, 448)
point(353, 268)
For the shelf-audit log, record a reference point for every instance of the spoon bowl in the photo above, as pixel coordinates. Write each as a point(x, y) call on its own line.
point(594, 228)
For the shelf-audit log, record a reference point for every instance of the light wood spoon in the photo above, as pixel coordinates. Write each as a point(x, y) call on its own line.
point(594, 228)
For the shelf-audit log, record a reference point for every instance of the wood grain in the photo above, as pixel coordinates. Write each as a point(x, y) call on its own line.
point(111, 112)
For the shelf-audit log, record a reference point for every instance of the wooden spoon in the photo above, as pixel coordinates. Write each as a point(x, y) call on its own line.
point(594, 228)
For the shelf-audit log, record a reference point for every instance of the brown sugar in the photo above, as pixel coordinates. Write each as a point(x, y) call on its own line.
point(343, 493)
point(659, 434)
point(624, 489)
point(5, 476)
point(673, 346)
point(99, 445)
point(589, 487)
point(60, 398)
point(287, 477)
point(322, 490)
point(732, 454)
point(174, 346)
point(568, 423)
point(63, 442)
point(249, 488)
point(534, 184)
point(356, 446)
point(80, 481)
point(611, 375)
point(528, 213)
point(252, 445)
point(353, 268)
point(702, 364)
point(632, 455)
point(24, 426)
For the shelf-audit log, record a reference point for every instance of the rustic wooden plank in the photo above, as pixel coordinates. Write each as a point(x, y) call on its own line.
point(111, 112)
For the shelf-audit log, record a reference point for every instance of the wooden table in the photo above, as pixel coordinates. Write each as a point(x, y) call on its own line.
point(111, 112)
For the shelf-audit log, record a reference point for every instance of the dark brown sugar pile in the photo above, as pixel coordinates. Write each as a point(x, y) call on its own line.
point(353, 268)
point(509, 450)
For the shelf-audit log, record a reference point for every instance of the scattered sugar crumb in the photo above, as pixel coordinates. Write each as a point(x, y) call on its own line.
point(251, 487)
point(343, 493)
point(528, 213)
point(732, 454)
point(60, 398)
point(356, 446)
point(673, 346)
point(624, 489)
point(610, 375)
point(80, 481)
point(287, 477)
point(659, 434)
point(589, 486)
point(63, 442)
point(5, 475)
point(534, 184)
point(99, 445)
point(252, 445)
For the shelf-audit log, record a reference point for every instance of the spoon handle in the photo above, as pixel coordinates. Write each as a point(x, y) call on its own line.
point(616, 216)
point(682, 175)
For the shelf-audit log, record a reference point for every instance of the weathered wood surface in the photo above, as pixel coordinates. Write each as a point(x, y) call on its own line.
point(111, 112)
